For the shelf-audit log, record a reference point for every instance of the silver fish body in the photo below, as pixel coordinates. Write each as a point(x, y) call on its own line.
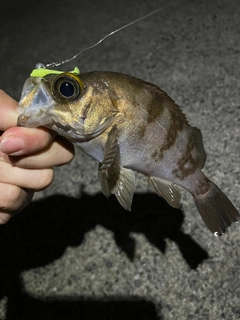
point(128, 125)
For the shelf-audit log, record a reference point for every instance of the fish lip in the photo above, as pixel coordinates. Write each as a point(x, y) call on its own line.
point(32, 118)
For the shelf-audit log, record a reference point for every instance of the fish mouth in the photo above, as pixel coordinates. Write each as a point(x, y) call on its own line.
point(35, 102)
point(33, 118)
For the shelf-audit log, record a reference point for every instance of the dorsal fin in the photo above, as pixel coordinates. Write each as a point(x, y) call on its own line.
point(166, 100)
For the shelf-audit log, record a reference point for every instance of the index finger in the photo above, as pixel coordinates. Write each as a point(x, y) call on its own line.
point(8, 111)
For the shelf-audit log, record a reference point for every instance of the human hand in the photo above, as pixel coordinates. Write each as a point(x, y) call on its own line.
point(27, 158)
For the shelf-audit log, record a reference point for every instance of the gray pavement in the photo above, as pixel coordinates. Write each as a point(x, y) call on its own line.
point(72, 254)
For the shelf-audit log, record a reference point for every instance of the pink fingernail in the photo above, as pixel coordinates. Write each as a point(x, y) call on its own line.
point(12, 146)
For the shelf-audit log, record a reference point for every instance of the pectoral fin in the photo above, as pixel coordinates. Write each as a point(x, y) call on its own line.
point(167, 191)
point(114, 178)
point(111, 151)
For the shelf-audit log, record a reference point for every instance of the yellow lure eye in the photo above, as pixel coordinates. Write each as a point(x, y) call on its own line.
point(67, 87)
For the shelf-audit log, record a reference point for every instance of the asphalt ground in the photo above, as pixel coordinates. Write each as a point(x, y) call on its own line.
point(72, 254)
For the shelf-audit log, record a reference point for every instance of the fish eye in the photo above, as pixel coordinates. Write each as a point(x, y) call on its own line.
point(67, 87)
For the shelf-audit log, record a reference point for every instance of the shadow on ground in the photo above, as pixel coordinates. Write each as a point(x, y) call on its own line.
point(46, 228)
point(24, 307)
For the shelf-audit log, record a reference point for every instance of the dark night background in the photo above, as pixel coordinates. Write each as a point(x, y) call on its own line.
point(72, 254)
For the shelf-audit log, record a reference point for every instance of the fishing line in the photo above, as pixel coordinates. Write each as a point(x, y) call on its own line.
point(59, 63)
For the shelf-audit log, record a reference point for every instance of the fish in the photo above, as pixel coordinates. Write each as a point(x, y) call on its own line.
point(128, 125)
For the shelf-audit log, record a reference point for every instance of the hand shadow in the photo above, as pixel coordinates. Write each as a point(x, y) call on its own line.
point(46, 228)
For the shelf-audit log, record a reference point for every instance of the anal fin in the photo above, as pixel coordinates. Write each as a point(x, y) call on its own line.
point(166, 190)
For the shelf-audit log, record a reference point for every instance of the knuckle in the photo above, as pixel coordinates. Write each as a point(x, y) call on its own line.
point(45, 137)
point(67, 156)
point(10, 194)
point(4, 218)
point(45, 179)
point(10, 201)
point(64, 150)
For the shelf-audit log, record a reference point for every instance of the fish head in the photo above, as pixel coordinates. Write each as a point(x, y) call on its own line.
point(77, 109)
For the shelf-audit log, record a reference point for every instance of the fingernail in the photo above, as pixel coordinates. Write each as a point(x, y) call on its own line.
point(12, 145)
point(20, 110)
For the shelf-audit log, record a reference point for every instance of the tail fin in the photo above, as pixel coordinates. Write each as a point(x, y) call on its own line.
point(216, 210)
